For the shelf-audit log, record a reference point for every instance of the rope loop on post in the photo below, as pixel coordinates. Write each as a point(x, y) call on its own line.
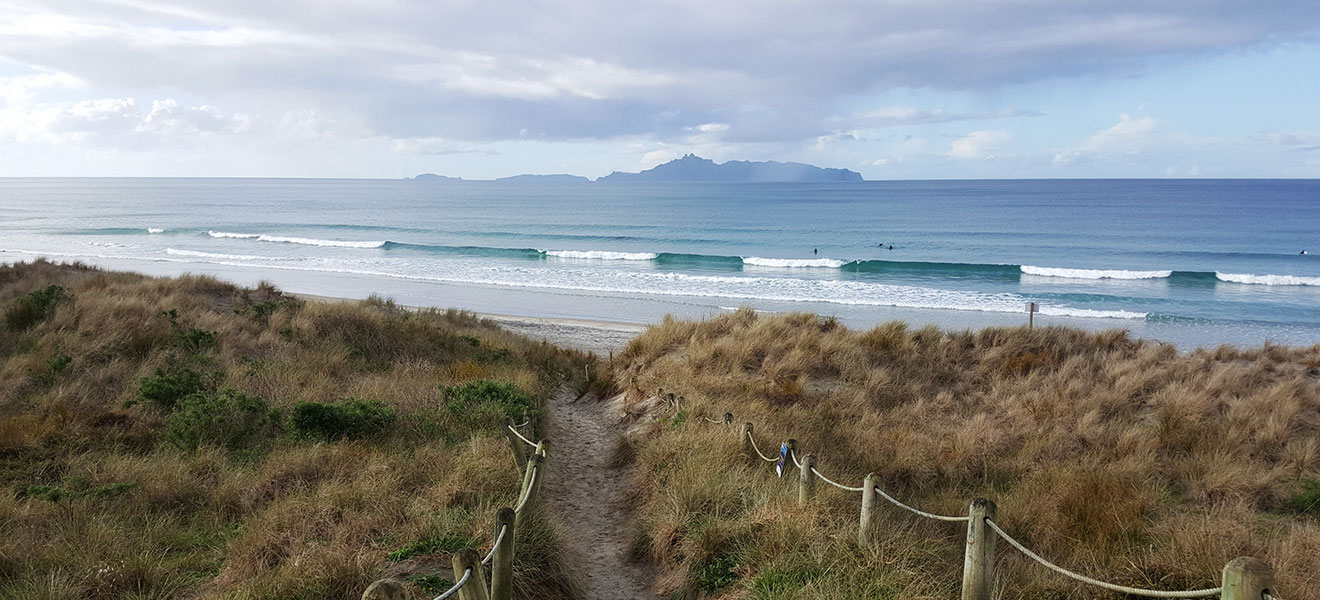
point(1096, 582)
point(491, 555)
point(462, 581)
point(520, 436)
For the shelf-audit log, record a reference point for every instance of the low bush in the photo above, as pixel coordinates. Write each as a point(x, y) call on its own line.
point(348, 419)
point(171, 384)
point(479, 399)
point(228, 418)
point(35, 307)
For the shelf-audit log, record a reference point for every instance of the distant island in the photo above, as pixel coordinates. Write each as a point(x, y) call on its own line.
point(558, 178)
point(432, 177)
point(694, 168)
point(690, 168)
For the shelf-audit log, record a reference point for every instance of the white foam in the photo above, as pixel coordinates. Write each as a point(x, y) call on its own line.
point(155, 230)
point(601, 254)
point(794, 263)
point(196, 254)
point(1094, 273)
point(261, 237)
point(1267, 279)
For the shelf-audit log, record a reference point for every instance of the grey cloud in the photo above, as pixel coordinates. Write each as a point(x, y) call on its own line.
point(595, 69)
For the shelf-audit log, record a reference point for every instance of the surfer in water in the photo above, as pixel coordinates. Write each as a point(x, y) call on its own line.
point(817, 251)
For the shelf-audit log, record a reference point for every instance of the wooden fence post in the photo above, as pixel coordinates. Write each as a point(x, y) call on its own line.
point(527, 470)
point(1246, 577)
point(979, 558)
point(866, 530)
point(515, 446)
point(540, 475)
point(475, 589)
point(806, 479)
point(728, 418)
point(501, 566)
point(748, 449)
point(387, 589)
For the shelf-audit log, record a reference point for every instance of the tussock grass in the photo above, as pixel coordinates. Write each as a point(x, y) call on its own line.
point(165, 438)
point(1116, 457)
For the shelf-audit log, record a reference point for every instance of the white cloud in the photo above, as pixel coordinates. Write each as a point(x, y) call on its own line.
point(979, 144)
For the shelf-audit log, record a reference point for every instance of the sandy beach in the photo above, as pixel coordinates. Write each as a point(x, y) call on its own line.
point(598, 336)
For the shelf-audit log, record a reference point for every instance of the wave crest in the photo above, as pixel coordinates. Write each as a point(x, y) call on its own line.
point(601, 254)
point(261, 237)
point(155, 230)
point(1267, 279)
point(1094, 273)
point(197, 254)
point(794, 263)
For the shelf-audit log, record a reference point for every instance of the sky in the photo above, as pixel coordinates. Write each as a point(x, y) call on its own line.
point(893, 89)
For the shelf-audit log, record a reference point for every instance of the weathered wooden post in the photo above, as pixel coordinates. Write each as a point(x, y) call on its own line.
point(748, 448)
point(1031, 314)
point(475, 589)
point(791, 456)
point(544, 449)
point(501, 566)
point(515, 446)
point(1246, 577)
point(866, 530)
point(728, 418)
point(387, 589)
point(979, 558)
point(806, 479)
point(527, 471)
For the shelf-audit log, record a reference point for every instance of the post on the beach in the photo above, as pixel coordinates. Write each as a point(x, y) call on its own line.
point(979, 558)
point(748, 449)
point(387, 589)
point(533, 475)
point(515, 446)
point(806, 479)
point(475, 589)
point(1246, 577)
point(866, 529)
point(1031, 314)
point(501, 566)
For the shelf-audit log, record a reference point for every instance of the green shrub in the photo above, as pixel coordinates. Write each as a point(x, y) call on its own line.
point(1307, 501)
point(431, 584)
point(54, 366)
point(717, 573)
point(473, 398)
point(37, 306)
point(229, 418)
point(195, 341)
point(350, 418)
point(171, 384)
point(774, 582)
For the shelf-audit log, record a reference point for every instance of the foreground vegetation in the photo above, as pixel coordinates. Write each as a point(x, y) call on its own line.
point(1118, 458)
point(166, 438)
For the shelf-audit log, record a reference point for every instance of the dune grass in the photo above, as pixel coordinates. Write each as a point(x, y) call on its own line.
point(1119, 458)
point(187, 438)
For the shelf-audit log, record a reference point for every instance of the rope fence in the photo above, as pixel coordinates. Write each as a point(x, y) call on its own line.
point(469, 573)
point(1243, 578)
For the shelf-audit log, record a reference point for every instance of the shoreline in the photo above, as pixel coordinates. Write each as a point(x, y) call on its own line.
point(600, 336)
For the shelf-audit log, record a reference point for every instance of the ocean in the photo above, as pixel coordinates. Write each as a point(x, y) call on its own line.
point(1193, 262)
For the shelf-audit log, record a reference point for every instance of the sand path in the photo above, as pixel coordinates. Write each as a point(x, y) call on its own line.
point(588, 496)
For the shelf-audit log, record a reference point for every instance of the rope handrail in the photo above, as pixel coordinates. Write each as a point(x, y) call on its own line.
point(462, 581)
point(834, 483)
point(794, 455)
point(500, 538)
point(527, 493)
point(520, 436)
point(524, 424)
point(710, 420)
point(758, 450)
point(1096, 582)
point(917, 511)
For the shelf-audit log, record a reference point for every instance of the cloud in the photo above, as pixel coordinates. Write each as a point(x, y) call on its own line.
point(1131, 135)
point(773, 70)
point(978, 144)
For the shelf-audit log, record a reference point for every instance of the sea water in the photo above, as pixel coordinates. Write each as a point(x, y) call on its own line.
point(1195, 262)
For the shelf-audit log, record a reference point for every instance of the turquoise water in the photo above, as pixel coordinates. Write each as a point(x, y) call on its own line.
point(1195, 262)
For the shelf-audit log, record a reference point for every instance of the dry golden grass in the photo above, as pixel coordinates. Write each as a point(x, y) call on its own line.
point(278, 515)
point(1118, 458)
